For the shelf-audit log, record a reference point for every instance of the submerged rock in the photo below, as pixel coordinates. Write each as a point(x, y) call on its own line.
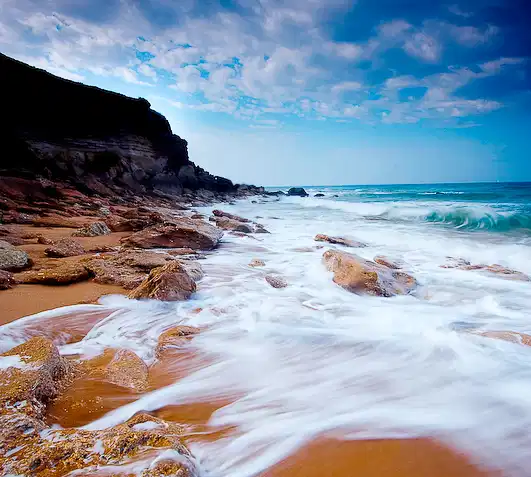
point(93, 230)
point(339, 241)
point(357, 275)
point(168, 283)
point(127, 370)
point(297, 191)
point(256, 262)
point(276, 282)
point(174, 338)
point(387, 262)
point(230, 224)
point(462, 264)
point(237, 218)
point(13, 260)
point(319, 195)
point(66, 247)
point(511, 336)
point(188, 233)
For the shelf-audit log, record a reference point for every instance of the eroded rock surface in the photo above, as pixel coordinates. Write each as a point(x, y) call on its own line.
point(94, 229)
point(237, 218)
point(13, 260)
point(174, 338)
point(276, 281)
point(357, 275)
point(6, 280)
point(63, 273)
point(387, 262)
point(66, 247)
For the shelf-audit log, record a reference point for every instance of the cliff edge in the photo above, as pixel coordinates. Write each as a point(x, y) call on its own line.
point(100, 142)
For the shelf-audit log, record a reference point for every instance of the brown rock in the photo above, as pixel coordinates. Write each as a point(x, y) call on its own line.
point(168, 283)
point(256, 262)
point(339, 241)
point(31, 376)
point(185, 232)
point(127, 269)
point(505, 272)
point(133, 222)
point(387, 262)
point(127, 370)
point(194, 269)
point(358, 275)
point(55, 221)
point(44, 241)
point(237, 218)
point(230, 224)
point(174, 338)
point(13, 260)
point(66, 247)
point(511, 336)
point(63, 274)
point(94, 229)
point(276, 282)
point(182, 251)
point(6, 280)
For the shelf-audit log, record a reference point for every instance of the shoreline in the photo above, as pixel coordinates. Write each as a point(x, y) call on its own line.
point(92, 394)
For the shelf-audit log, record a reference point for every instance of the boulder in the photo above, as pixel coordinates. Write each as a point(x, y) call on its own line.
point(13, 260)
point(297, 191)
point(6, 280)
point(256, 262)
point(260, 229)
point(44, 241)
point(168, 283)
point(31, 375)
point(127, 269)
point(133, 223)
point(230, 224)
point(339, 241)
point(62, 274)
point(66, 247)
point(237, 218)
point(127, 370)
point(357, 275)
point(174, 338)
point(504, 272)
point(387, 262)
point(319, 195)
point(193, 268)
point(276, 282)
point(94, 229)
point(185, 232)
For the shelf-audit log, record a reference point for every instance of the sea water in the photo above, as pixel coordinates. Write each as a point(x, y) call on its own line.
point(312, 359)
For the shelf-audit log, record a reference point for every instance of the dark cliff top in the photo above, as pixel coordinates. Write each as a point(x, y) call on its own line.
point(38, 103)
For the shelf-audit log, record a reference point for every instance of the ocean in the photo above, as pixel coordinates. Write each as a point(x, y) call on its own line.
point(313, 360)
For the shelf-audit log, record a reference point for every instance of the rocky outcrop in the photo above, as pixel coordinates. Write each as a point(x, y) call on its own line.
point(66, 247)
point(234, 225)
point(185, 232)
point(63, 273)
point(297, 191)
point(97, 141)
point(171, 282)
point(357, 275)
point(94, 229)
point(339, 241)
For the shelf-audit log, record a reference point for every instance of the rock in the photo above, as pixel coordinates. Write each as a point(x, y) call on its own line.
point(276, 282)
point(297, 191)
point(387, 262)
point(237, 218)
point(358, 275)
point(174, 338)
point(186, 232)
point(256, 262)
point(94, 229)
point(4, 245)
point(133, 223)
point(319, 195)
point(505, 272)
point(260, 229)
point(55, 221)
point(182, 251)
point(65, 451)
point(66, 247)
point(127, 269)
point(44, 241)
point(339, 241)
point(31, 375)
point(194, 269)
point(6, 280)
point(230, 224)
point(63, 274)
point(127, 370)
point(168, 283)
point(511, 336)
point(13, 260)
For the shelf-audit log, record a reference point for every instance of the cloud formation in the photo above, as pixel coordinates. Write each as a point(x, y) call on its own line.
point(272, 61)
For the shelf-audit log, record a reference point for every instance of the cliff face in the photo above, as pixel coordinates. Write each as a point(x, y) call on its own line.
point(98, 141)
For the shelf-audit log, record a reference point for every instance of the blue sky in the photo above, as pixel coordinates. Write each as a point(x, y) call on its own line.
point(307, 91)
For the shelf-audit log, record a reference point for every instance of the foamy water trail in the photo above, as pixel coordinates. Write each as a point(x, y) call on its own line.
point(312, 359)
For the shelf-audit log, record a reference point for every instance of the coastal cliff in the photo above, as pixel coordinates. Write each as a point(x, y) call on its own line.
point(97, 141)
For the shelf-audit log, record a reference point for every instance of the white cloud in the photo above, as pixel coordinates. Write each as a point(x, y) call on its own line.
point(423, 46)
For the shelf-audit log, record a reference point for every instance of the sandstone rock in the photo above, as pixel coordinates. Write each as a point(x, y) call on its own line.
point(127, 370)
point(44, 241)
point(297, 191)
point(66, 247)
point(13, 260)
point(193, 268)
point(387, 262)
point(31, 376)
point(55, 221)
point(511, 336)
point(358, 275)
point(184, 233)
point(505, 272)
point(175, 337)
point(127, 269)
point(94, 229)
point(182, 251)
point(237, 218)
point(62, 274)
point(230, 224)
point(6, 280)
point(168, 283)
point(276, 282)
point(339, 241)
point(256, 262)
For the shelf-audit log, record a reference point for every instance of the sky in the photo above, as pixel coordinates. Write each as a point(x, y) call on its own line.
point(307, 92)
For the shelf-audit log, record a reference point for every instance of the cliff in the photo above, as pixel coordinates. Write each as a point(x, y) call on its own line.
point(98, 141)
